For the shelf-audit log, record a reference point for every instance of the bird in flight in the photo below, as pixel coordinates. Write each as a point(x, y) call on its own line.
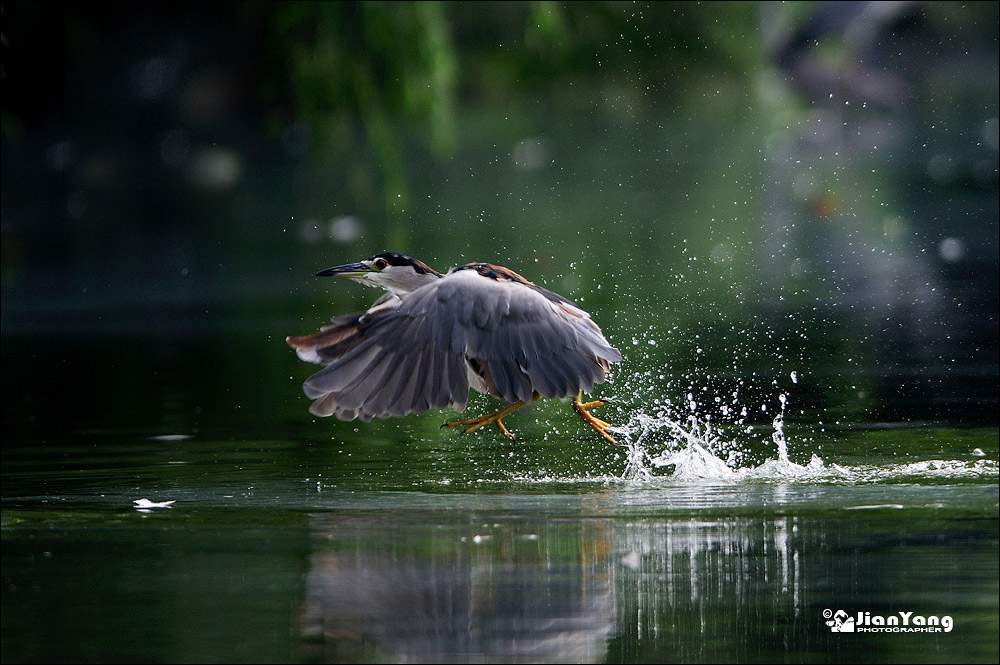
point(432, 336)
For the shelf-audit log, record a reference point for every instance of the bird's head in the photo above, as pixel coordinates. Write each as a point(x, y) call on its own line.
point(397, 273)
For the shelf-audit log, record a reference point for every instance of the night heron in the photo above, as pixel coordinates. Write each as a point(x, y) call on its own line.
point(432, 336)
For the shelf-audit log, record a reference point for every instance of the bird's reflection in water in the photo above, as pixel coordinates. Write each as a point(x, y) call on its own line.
point(556, 591)
point(500, 595)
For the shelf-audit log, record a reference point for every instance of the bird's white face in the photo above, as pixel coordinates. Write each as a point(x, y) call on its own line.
point(399, 280)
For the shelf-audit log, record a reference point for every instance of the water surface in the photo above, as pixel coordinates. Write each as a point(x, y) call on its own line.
point(437, 548)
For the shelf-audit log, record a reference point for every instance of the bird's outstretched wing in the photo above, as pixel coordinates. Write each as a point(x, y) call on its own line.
point(512, 339)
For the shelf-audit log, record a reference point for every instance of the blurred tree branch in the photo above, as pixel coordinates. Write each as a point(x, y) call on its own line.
point(365, 76)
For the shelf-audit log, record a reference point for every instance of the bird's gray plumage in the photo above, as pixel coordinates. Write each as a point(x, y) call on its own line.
point(478, 326)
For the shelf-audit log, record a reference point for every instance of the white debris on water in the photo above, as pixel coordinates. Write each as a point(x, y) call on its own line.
point(145, 504)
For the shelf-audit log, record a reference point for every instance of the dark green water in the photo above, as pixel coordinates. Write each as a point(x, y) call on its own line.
point(279, 550)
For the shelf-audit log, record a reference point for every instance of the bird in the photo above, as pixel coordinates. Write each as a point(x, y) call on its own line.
point(432, 336)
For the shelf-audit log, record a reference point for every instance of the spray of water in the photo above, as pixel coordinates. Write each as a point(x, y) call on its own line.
point(692, 448)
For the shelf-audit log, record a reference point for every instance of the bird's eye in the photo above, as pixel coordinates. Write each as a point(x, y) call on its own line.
point(381, 264)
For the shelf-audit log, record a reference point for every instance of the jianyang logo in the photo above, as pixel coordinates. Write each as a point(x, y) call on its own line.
point(839, 621)
point(901, 622)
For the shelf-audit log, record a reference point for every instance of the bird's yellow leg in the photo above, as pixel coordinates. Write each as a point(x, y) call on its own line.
point(582, 407)
point(475, 423)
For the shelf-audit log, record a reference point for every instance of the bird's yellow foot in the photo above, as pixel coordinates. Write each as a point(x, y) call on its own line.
point(582, 408)
point(475, 423)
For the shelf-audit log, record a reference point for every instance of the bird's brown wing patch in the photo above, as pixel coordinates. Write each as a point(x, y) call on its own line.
point(318, 347)
point(502, 274)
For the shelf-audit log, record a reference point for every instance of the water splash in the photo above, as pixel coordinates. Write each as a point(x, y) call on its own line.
point(693, 448)
point(782, 467)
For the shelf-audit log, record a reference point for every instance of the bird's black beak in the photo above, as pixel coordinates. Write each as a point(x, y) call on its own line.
point(354, 270)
